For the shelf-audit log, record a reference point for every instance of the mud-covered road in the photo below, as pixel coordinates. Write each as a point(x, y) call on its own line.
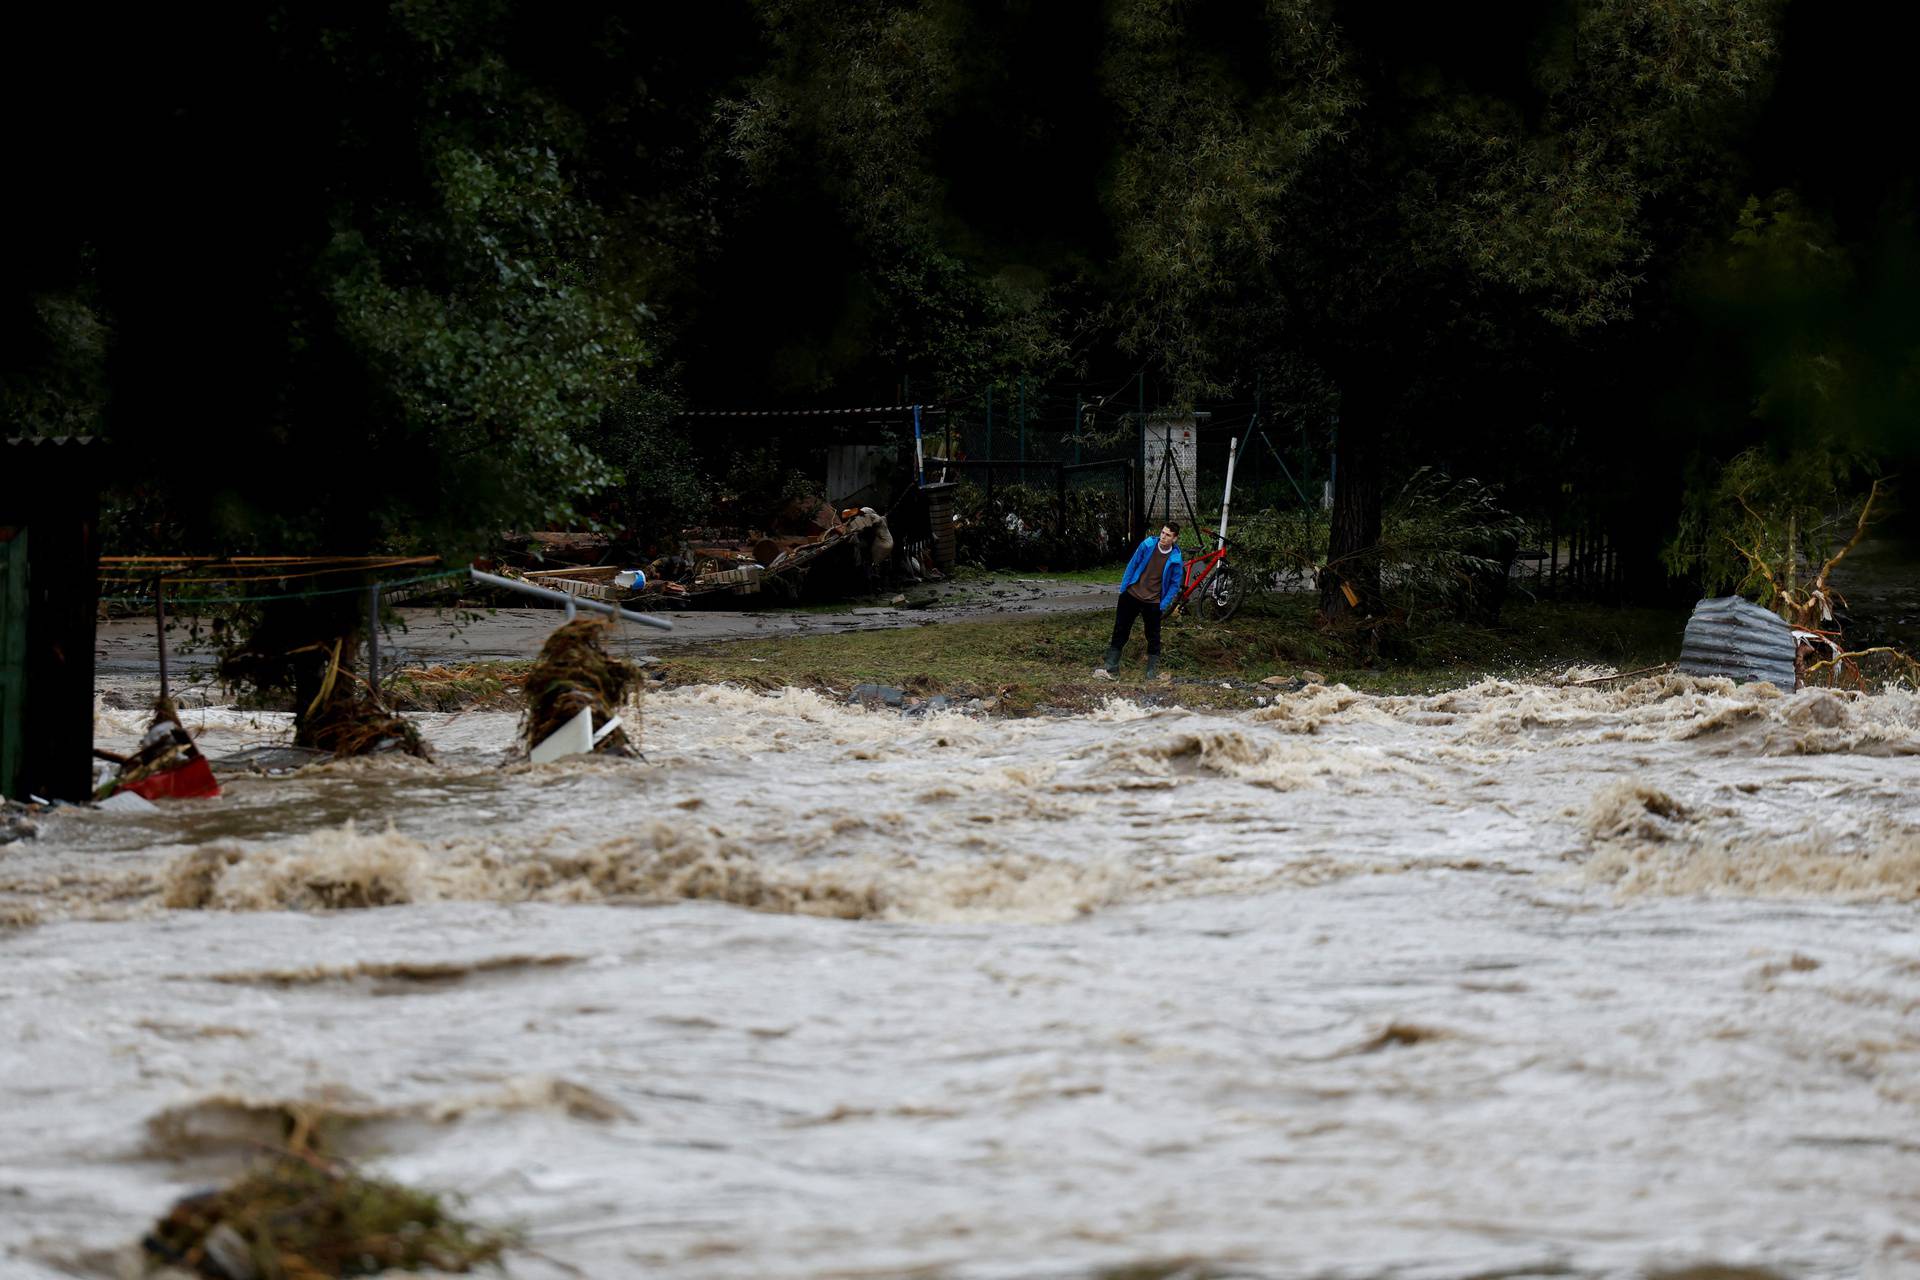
point(126, 646)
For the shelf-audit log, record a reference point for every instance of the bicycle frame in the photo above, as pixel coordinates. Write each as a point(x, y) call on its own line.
point(1198, 570)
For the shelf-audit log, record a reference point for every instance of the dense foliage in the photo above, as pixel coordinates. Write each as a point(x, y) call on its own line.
point(407, 274)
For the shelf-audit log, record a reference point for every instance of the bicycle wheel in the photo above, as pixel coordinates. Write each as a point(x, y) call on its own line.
point(1219, 596)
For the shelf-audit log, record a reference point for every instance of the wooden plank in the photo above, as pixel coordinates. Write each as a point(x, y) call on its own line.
point(582, 575)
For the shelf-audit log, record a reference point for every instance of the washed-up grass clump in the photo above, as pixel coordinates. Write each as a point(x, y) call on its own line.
point(347, 718)
point(350, 725)
point(473, 686)
point(301, 1217)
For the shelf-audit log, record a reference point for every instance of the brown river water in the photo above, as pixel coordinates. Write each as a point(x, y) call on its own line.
point(1516, 980)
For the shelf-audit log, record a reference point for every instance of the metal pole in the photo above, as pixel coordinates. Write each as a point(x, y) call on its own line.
point(1226, 498)
point(373, 638)
point(919, 454)
point(989, 444)
point(1140, 505)
point(160, 629)
point(1286, 471)
point(561, 597)
point(1023, 428)
point(1077, 410)
point(1060, 498)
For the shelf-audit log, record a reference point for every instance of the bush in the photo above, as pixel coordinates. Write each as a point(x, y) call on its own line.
point(1021, 528)
point(1445, 544)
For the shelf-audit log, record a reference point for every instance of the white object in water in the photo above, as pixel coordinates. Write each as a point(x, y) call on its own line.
point(573, 738)
point(613, 722)
point(127, 802)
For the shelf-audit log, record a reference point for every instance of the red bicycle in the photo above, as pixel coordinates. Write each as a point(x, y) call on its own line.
point(1213, 587)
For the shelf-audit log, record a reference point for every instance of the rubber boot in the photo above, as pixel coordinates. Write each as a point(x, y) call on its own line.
point(1111, 661)
point(1153, 666)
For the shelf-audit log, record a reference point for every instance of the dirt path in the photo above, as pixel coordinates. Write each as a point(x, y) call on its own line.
point(126, 646)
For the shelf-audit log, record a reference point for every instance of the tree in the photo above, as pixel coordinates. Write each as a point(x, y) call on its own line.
point(349, 247)
point(350, 291)
point(1432, 171)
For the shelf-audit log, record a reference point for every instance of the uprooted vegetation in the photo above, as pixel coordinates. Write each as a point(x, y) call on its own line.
point(575, 673)
point(300, 1215)
point(1776, 529)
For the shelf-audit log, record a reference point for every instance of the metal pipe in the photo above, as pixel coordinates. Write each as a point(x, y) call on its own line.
point(561, 597)
point(919, 453)
point(1226, 496)
point(373, 638)
point(160, 629)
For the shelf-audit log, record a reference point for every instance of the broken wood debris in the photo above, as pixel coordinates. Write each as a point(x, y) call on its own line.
point(856, 541)
point(165, 764)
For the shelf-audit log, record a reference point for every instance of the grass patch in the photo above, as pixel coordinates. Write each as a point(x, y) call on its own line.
point(1104, 575)
point(1030, 663)
point(476, 686)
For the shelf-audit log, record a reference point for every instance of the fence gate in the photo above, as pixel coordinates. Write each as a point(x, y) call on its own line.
point(1170, 469)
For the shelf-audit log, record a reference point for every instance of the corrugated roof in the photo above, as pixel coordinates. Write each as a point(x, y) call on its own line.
point(1731, 637)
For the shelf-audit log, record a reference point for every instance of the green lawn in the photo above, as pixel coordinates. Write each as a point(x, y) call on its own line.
point(1049, 660)
point(1099, 575)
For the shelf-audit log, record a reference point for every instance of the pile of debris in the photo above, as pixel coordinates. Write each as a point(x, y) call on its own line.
point(348, 717)
point(303, 1216)
point(845, 551)
point(165, 764)
point(17, 820)
point(574, 692)
point(1800, 639)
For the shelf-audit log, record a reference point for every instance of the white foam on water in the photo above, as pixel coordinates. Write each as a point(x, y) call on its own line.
point(1603, 979)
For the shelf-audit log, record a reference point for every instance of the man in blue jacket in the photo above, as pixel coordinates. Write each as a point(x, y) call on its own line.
point(1153, 578)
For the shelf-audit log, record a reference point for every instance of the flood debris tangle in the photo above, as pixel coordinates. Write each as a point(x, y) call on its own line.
point(301, 1216)
point(575, 673)
point(348, 719)
point(165, 763)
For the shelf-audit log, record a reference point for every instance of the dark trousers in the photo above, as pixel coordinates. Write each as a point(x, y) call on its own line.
point(1123, 615)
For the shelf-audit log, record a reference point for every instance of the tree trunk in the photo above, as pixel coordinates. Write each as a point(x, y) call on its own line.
point(1353, 564)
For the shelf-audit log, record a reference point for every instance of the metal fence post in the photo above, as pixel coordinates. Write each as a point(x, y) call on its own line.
point(373, 639)
point(1060, 499)
point(160, 629)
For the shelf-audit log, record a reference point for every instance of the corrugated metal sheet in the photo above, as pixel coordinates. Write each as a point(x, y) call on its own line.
point(859, 471)
point(1732, 637)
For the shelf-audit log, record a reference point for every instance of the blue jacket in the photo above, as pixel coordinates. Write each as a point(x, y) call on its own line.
point(1171, 578)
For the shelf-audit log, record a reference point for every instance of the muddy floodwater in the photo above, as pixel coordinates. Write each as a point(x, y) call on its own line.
point(1516, 980)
